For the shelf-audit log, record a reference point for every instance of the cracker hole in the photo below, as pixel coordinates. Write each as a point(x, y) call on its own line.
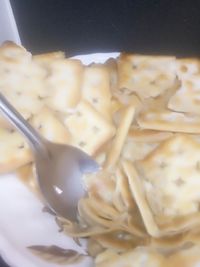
point(95, 129)
point(179, 182)
point(18, 93)
point(21, 146)
point(39, 126)
point(198, 166)
point(82, 144)
point(29, 118)
point(11, 131)
point(125, 91)
point(180, 151)
point(95, 100)
point(79, 114)
point(163, 165)
point(153, 82)
point(184, 69)
point(41, 97)
point(6, 70)
point(134, 66)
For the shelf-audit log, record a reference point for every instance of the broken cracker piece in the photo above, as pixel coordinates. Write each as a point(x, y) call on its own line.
point(136, 187)
point(166, 120)
point(187, 98)
point(147, 76)
point(127, 115)
point(138, 134)
point(187, 67)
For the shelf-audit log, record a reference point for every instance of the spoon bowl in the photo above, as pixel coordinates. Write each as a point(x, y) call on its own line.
point(59, 174)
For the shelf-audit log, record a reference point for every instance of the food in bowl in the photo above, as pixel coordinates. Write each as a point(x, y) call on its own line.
point(139, 117)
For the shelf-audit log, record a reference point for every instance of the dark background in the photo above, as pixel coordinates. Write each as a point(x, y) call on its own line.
point(86, 26)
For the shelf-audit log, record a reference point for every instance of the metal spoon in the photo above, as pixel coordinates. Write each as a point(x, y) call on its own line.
point(59, 168)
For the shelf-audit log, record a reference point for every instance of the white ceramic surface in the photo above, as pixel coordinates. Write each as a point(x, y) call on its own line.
point(22, 222)
point(8, 28)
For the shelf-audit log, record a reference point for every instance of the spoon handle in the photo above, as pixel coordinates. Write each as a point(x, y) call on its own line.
point(35, 140)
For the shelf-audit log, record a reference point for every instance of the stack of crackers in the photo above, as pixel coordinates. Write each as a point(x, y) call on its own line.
point(139, 117)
